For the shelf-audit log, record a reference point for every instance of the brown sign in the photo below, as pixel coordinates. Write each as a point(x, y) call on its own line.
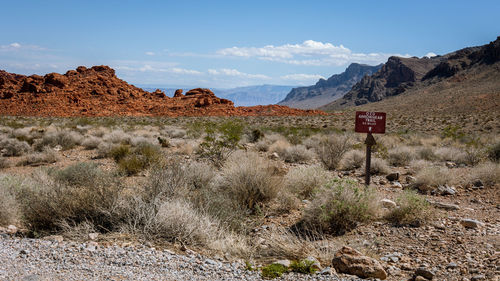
point(370, 122)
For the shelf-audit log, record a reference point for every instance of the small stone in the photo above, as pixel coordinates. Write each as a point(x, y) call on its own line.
point(93, 236)
point(11, 229)
point(327, 271)
point(450, 164)
point(452, 265)
point(382, 182)
point(478, 277)
point(54, 238)
point(92, 246)
point(392, 176)
point(285, 263)
point(315, 263)
point(410, 179)
point(389, 204)
point(424, 272)
point(274, 156)
point(445, 206)
point(397, 185)
point(348, 260)
point(478, 183)
point(58, 147)
point(420, 278)
point(24, 252)
point(470, 223)
point(446, 190)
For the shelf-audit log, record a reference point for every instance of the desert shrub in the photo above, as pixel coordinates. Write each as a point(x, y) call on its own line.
point(175, 133)
point(265, 143)
point(340, 207)
point(119, 152)
point(55, 197)
point(426, 153)
point(117, 136)
point(138, 140)
point(3, 163)
point(305, 181)
point(9, 208)
point(377, 166)
point(473, 155)
point(412, 210)
point(450, 154)
point(332, 148)
point(132, 164)
point(303, 266)
point(65, 139)
point(48, 156)
point(312, 141)
point(400, 156)
point(220, 141)
point(494, 152)
point(488, 173)
point(352, 160)
point(297, 154)
point(249, 179)
point(432, 177)
point(91, 142)
point(417, 165)
point(27, 134)
point(256, 135)
point(199, 174)
point(280, 146)
point(14, 147)
point(166, 180)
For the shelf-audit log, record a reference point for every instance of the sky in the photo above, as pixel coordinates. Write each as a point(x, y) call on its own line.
point(225, 44)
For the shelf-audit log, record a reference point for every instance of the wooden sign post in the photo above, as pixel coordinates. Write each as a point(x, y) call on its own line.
point(370, 123)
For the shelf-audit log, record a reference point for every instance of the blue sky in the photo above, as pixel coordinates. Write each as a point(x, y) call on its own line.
point(223, 44)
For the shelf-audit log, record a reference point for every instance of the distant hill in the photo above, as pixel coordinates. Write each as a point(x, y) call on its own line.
point(326, 91)
point(472, 70)
point(254, 95)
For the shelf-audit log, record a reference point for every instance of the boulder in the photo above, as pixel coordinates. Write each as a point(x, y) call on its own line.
point(178, 93)
point(348, 260)
point(470, 223)
point(392, 176)
point(389, 204)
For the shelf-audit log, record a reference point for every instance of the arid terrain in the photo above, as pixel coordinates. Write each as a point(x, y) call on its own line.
point(248, 192)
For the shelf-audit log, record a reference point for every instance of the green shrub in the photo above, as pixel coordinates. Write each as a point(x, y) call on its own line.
point(48, 156)
point(412, 210)
point(119, 152)
point(66, 139)
point(13, 147)
point(340, 206)
point(303, 266)
point(400, 156)
point(426, 153)
point(274, 270)
point(132, 164)
point(220, 141)
point(494, 152)
point(297, 154)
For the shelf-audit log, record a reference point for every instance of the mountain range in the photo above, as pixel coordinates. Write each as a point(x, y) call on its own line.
point(326, 91)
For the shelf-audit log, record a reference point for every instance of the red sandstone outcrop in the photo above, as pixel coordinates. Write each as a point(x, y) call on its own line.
point(97, 91)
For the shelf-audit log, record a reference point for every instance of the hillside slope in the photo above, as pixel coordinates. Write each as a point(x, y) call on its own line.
point(326, 91)
point(428, 75)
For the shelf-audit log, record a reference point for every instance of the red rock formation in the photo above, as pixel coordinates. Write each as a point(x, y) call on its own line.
point(97, 91)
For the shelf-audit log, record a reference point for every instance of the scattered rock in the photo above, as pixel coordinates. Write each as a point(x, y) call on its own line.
point(470, 223)
point(397, 185)
point(327, 271)
point(392, 176)
point(452, 265)
point(389, 204)
point(93, 236)
point(285, 263)
point(410, 179)
point(54, 238)
point(478, 183)
point(478, 277)
point(347, 260)
point(315, 263)
point(382, 182)
point(450, 164)
point(445, 190)
point(424, 272)
point(178, 93)
point(445, 206)
point(274, 156)
point(11, 229)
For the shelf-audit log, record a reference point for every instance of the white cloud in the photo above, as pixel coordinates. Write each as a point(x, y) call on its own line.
point(236, 73)
point(17, 46)
point(302, 77)
point(185, 71)
point(150, 53)
point(430, 55)
point(309, 53)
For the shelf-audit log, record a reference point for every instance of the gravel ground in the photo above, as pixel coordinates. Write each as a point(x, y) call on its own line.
point(36, 259)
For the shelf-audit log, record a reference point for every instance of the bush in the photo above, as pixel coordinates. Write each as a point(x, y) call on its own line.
point(9, 208)
point(400, 156)
point(265, 143)
point(199, 174)
point(65, 139)
point(340, 207)
point(488, 173)
point(426, 153)
point(249, 179)
point(91, 143)
point(56, 197)
point(297, 154)
point(352, 160)
point(137, 160)
point(220, 141)
point(377, 166)
point(450, 154)
point(412, 210)
point(13, 147)
point(432, 177)
point(118, 137)
point(45, 157)
point(119, 152)
point(332, 148)
point(274, 270)
point(167, 180)
point(4, 163)
point(305, 181)
point(494, 152)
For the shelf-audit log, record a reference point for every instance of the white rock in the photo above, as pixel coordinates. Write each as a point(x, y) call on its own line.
point(389, 204)
point(470, 223)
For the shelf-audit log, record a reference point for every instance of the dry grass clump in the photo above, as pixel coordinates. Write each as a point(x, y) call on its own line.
point(450, 154)
point(430, 177)
point(9, 208)
point(199, 174)
point(265, 143)
point(117, 136)
point(297, 154)
point(400, 156)
point(494, 152)
point(426, 153)
point(332, 148)
point(280, 146)
point(175, 133)
point(488, 173)
point(48, 156)
point(377, 166)
point(136, 160)
point(27, 134)
point(81, 192)
point(417, 165)
point(249, 179)
point(13, 147)
point(352, 160)
point(4, 163)
point(340, 207)
point(305, 181)
point(66, 139)
point(91, 142)
point(412, 210)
